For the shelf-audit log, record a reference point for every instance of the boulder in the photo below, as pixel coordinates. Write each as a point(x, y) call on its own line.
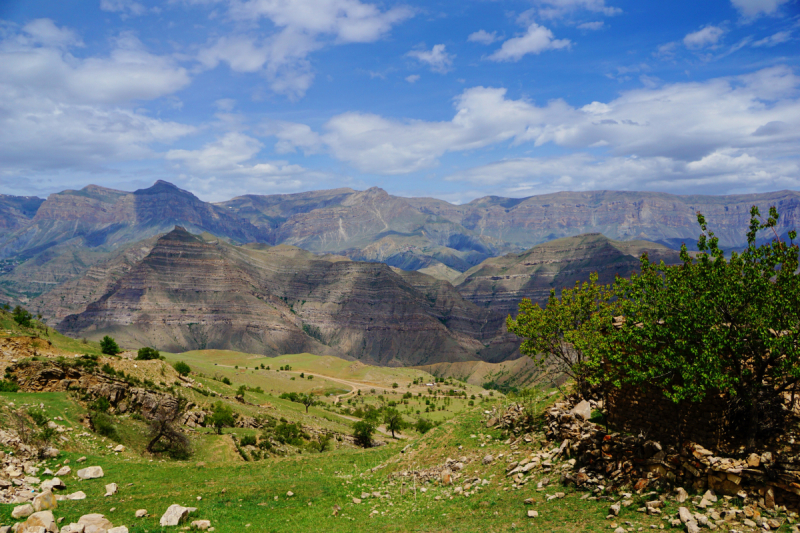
point(118, 529)
point(22, 511)
point(64, 471)
point(583, 410)
point(202, 525)
point(681, 495)
point(90, 472)
point(685, 515)
point(73, 528)
point(80, 495)
point(141, 513)
point(41, 521)
point(45, 501)
point(54, 483)
point(95, 523)
point(175, 514)
point(119, 448)
point(111, 489)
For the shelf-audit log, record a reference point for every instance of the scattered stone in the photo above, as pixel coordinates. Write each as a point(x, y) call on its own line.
point(45, 501)
point(290, 494)
point(487, 459)
point(91, 472)
point(533, 514)
point(42, 521)
point(54, 483)
point(141, 513)
point(364, 495)
point(692, 527)
point(681, 495)
point(80, 495)
point(118, 529)
point(583, 410)
point(64, 471)
point(120, 448)
point(95, 523)
point(81, 460)
point(111, 489)
point(356, 500)
point(175, 514)
point(615, 509)
point(22, 511)
point(201, 524)
point(685, 515)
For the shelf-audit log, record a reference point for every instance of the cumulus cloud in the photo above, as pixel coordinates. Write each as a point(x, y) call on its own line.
point(437, 58)
point(552, 9)
point(708, 36)
point(299, 28)
point(703, 129)
point(482, 37)
point(62, 111)
point(412, 78)
point(756, 8)
point(774, 39)
point(536, 40)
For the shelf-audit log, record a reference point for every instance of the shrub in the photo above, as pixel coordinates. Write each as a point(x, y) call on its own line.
point(103, 424)
point(362, 433)
point(248, 440)
point(38, 416)
point(109, 346)
point(221, 416)
point(147, 354)
point(289, 433)
point(226, 381)
point(182, 368)
point(108, 369)
point(423, 425)
point(8, 386)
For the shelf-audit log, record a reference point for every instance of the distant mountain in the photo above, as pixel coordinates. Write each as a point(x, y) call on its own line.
point(500, 283)
point(17, 211)
point(191, 292)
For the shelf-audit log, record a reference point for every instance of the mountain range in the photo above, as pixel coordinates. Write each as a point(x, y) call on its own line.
point(100, 260)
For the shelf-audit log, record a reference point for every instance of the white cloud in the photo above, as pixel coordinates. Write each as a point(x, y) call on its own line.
point(228, 166)
point(552, 9)
point(127, 7)
point(594, 26)
point(61, 111)
point(483, 37)
point(755, 8)
point(681, 123)
point(412, 78)
point(708, 36)
point(774, 39)
point(437, 58)
point(300, 28)
point(536, 39)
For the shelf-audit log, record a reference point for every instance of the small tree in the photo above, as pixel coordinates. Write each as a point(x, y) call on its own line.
point(550, 334)
point(109, 346)
point(22, 316)
point(182, 368)
point(166, 436)
point(362, 433)
point(221, 417)
point(394, 420)
point(711, 325)
point(307, 400)
point(423, 425)
point(147, 354)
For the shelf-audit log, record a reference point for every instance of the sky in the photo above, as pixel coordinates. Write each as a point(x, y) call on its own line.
point(450, 99)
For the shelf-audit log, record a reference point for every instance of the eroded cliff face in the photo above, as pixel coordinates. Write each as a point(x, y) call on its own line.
point(501, 283)
point(191, 293)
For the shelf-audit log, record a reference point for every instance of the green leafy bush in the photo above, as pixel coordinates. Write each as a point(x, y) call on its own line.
point(248, 440)
point(8, 386)
point(22, 317)
point(362, 433)
point(148, 354)
point(423, 425)
point(182, 368)
point(109, 346)
point(38, 416)
point(103, 425)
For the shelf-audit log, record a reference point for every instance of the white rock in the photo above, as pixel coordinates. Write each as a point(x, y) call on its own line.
point(80, 495)
point(685, 515)
point(54, 483)
point(141, 513)
point(175, 514)
point(111, 489)
point(533, 514)
point(64, 471)
point(95, 523)
point(118, 529)
point(22, 511)
point(120, 448)
point(202, 525)
point(43, 521)
point(90, 472)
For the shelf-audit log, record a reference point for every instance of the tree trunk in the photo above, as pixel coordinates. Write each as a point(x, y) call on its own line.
point(752, 424)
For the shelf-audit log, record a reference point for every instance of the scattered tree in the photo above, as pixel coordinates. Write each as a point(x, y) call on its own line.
point(394, 420)
point(147, 354)
point(423, 425)
point(221, 417)
point(22, 316)
point(362, 433)
point(165, 434)
point(182, 368)
point(307, 400)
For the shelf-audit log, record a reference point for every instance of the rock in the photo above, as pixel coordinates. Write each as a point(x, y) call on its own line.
point(289, 494)
point(769, 499)
point(118, 529)
point(692, 527)
point(364, 495)
point(119, 448)
point(446, 477)
point(487, 459)
point(54, 483)
point(620, 530)
point(533, 514)
point(45, 501)
point(80, 495)
point(73, 528)
point(356, 500)
point(22, 511)
point(174, 515)
point(95, 523)
point(64, 471)
point(141, 513)
point(111, 489)
point(90, 472)
point(615, 509)
point(81, 460)
point(749, 523)
point(685, 515)
point(38, 522)
point(583, 410)
point(201, 524)
point(710, 496)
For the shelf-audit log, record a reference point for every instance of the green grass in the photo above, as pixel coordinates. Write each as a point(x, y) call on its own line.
point(9, 328)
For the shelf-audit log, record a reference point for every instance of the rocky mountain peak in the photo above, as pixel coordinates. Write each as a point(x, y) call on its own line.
point(164, 187)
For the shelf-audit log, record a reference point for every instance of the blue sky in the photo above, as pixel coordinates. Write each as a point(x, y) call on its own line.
point(455, 100)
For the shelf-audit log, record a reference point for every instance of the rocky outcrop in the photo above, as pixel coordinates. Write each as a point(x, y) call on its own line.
point(57, 376)
point(195, 293)
point(500, 283)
